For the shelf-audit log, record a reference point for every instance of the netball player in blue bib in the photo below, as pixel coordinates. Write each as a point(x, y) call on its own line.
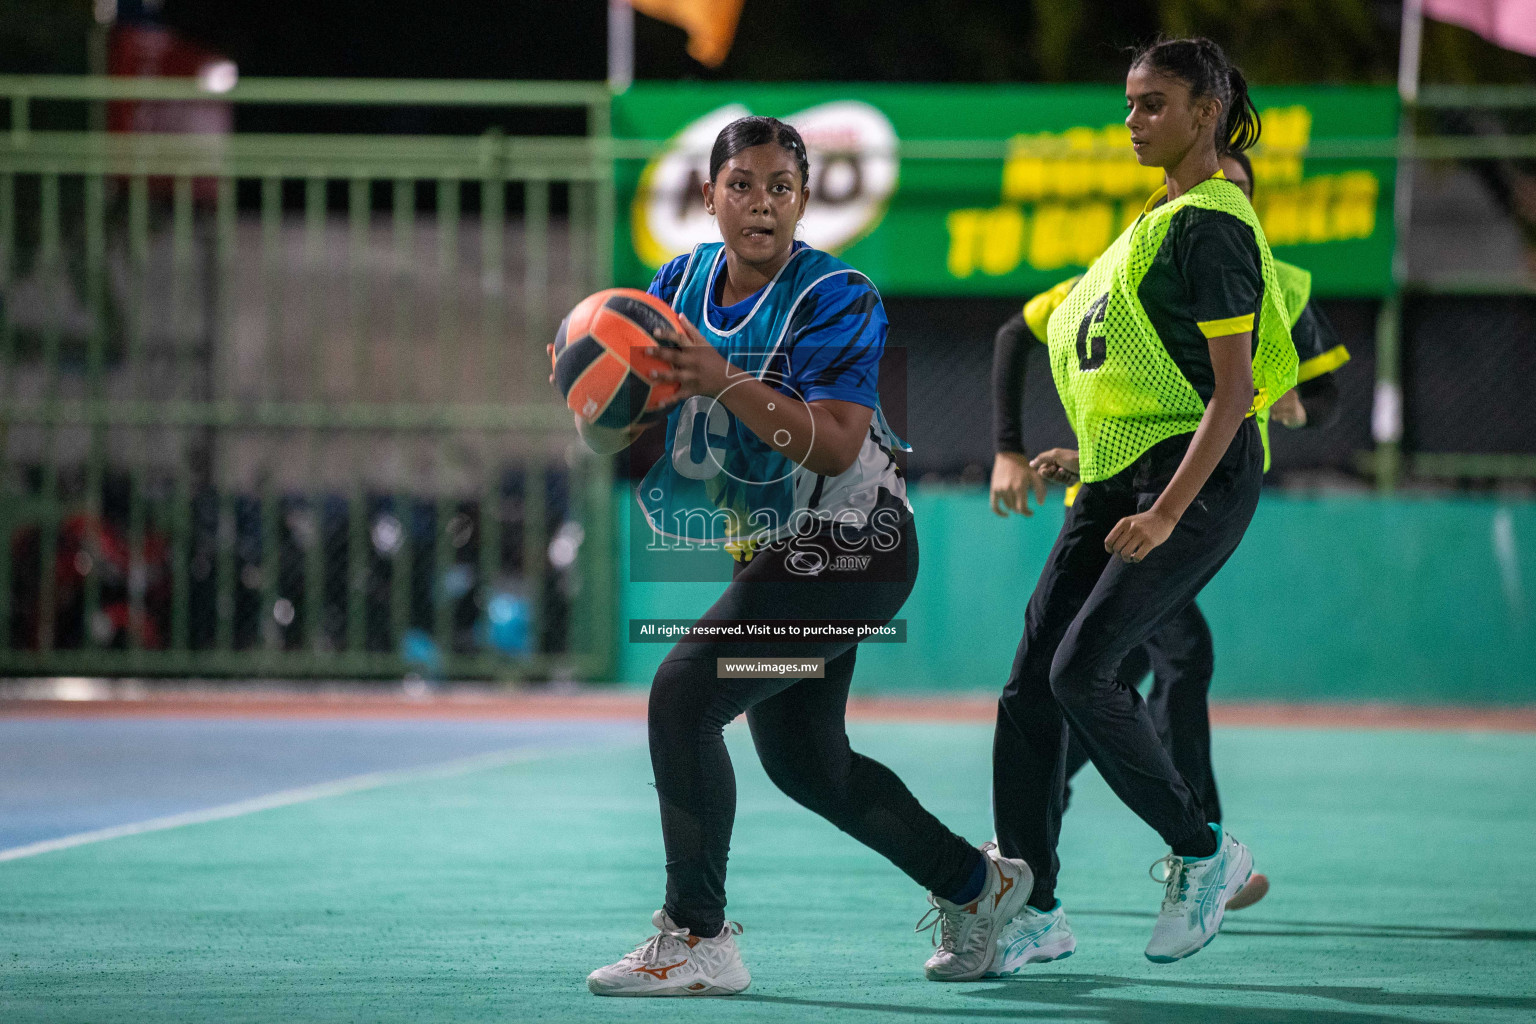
point(778, 451)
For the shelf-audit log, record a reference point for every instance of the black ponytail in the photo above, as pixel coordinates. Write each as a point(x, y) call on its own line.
point(1241, 117)
point(1202, 65)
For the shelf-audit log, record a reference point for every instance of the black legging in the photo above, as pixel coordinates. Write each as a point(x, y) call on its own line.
point(797, 726)
point(1088, 611)
point(1181, 659)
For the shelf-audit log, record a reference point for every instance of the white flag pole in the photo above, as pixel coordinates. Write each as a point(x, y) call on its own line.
point(1387, 409)
point(621, 45)
point(1408, 94)
point(1409, 50)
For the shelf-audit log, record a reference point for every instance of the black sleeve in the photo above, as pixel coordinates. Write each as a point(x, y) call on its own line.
point(1222, 269)
point(1313, 334)
point(1010, 353)
point(1320, 398)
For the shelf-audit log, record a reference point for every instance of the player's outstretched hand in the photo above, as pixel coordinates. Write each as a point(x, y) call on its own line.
point(1012, 482)
point(695, 364)
point(1058, 465)
point(1134, 537)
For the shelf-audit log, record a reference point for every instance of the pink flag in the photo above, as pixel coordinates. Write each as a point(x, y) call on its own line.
point(1507, 23)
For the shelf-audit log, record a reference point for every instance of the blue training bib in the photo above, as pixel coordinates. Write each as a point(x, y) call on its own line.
point(718, 482)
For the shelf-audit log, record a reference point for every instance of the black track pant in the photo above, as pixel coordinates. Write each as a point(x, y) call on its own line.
point(797, 727)
point(1182, 660)
point(1088, 612)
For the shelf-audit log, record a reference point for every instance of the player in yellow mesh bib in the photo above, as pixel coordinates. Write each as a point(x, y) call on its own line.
point(1162, 353)
point(1180, 656)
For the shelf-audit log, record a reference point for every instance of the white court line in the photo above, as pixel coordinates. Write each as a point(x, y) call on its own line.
point(283, 798)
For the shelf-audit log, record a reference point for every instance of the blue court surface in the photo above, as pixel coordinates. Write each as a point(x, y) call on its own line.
point(65, 776)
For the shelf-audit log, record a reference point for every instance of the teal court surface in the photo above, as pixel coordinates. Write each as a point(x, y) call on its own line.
point(478, 871)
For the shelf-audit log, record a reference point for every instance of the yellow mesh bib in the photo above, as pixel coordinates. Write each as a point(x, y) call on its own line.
point(1296, 284)
point(1121, 389)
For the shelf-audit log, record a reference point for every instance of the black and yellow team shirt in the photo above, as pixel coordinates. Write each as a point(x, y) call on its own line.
point(1318, 349)
point(1128, 340)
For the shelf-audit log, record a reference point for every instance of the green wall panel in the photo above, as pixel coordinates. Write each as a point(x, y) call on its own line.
point(1403, 599)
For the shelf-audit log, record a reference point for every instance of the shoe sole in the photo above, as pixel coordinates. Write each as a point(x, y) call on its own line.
point(1185, 956)
point(1036, 958)
point(1221, 915)
point(1018, 896)
point(1256, 889)
point(711, 989)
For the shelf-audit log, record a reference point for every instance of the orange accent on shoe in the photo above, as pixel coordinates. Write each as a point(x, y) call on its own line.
point(696, 986)
point(972, 908)
point(659, 972)
point(1002, 890)
point(693, 940)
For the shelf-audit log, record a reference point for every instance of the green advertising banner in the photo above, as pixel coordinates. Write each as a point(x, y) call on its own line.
point(1003, 190)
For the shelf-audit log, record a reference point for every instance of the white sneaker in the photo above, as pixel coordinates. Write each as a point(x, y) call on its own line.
point(968, 933)
point(1034, 937)
point(674, 963)
point(1196, 898)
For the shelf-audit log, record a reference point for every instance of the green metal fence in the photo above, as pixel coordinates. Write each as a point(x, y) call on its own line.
point(1421, 146)
point(275, 404)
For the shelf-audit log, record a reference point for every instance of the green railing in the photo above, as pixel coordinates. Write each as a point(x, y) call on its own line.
point(275, 404)
point(1387, 462)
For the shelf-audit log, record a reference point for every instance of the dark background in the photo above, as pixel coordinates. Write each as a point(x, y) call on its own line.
point(778, 40)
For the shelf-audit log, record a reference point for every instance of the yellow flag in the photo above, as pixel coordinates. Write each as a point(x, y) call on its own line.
point(710, 24)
